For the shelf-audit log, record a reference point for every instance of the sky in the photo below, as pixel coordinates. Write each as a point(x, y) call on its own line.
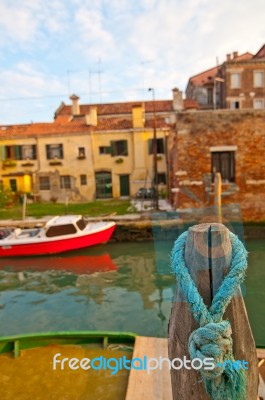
point(113, 50)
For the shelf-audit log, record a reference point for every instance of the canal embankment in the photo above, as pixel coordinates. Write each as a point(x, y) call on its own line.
point(148, 226)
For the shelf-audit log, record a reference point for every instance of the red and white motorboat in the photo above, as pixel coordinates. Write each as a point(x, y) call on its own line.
point(60, 234)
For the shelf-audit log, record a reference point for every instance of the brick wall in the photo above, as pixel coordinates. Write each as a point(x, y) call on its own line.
point(190, 159)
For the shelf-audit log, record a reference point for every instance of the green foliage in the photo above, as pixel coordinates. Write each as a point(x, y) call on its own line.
point(6, 197)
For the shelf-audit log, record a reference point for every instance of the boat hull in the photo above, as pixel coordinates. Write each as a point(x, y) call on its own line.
point(55, 246)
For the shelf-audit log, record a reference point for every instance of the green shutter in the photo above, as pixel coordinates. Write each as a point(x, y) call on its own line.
point(112, 148)
point(2, 153)
point(125, 148)
point(17, 152)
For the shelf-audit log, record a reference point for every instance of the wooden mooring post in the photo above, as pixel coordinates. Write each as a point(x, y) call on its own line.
point(208, 257)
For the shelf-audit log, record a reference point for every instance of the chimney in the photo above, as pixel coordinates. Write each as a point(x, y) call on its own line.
point(177, 100)
point(138, 117)
point(228, 57)
point(92, 117)
point(75, 105)
point(235, 54)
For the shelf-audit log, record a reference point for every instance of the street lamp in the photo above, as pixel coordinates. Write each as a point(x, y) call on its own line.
point(155, 185)
point(216, 79)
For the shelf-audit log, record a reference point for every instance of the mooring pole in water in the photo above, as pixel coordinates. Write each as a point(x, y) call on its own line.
point(208, 257)
point(218, 195)
point(24, 206)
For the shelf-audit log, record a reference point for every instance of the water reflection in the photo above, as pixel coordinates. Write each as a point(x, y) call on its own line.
point(119, 287)
point(115, 287)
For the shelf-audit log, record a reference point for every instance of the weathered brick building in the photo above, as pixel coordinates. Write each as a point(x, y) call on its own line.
point(230, 142)
point(237, 83)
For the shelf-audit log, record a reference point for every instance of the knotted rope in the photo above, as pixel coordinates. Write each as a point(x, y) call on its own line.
point(213, 337)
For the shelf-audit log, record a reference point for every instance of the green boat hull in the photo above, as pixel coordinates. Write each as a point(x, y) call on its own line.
point(28, 341)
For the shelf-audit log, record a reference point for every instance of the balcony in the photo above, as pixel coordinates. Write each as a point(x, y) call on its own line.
point(9, 163)
point(27, 163)
point(55, 161)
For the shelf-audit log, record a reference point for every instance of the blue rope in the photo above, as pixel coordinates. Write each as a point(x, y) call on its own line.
point(213, 337)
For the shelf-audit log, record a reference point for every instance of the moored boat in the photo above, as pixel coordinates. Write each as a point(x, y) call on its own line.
point(60, 234)
point(32, 366)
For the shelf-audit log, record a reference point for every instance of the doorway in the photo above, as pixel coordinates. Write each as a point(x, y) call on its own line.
point(103, 185)
point(124, 185)
point(13, 185)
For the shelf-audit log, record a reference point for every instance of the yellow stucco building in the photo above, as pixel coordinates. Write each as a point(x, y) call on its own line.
point(89, 151)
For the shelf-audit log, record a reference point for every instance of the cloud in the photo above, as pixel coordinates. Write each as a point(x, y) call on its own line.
point(95, 39)
point(27, 93)
point(151, 43)
point(27, 22)
point(17, 22)
point(186, 37)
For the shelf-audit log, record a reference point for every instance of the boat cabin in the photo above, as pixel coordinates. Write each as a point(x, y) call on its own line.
point(65, 225)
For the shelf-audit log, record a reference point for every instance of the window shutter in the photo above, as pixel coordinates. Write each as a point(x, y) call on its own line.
point(124, 147)
point(34, 152)
point(2, 153)
point(48, 155)
point(17, 152)
point(112, 148)
point(61, 150)
point(160, 146)
point(215, 162)
point(150, 146)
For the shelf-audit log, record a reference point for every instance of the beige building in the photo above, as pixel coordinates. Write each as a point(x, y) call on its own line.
point(47, 160)
point(90, 151)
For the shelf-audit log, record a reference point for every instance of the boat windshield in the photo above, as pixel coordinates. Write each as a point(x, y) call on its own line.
point(60, 230)
point(81, 224)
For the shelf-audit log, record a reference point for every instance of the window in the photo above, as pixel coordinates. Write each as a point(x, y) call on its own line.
point(44, 183)
point(54, 151)
point(81, 224)
point(235, 80)
point(104, 150)
point(20, 152)
point(210, 96)
point(119, 148)
point(258, 79)
point(29, 152)
point(59, 230)
point(224, 162)
point(258, 103)
point(65, 182)
point(81, 152)
point(234, 104)
point(83, 179)
point(159, 146)
point(161, 178)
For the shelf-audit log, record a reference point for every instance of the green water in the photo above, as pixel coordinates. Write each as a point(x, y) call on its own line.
point(121, 287)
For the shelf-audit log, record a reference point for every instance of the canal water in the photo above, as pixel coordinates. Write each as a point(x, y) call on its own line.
point(116, 287)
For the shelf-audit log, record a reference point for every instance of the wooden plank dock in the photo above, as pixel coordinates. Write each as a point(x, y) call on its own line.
point(157, 384)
